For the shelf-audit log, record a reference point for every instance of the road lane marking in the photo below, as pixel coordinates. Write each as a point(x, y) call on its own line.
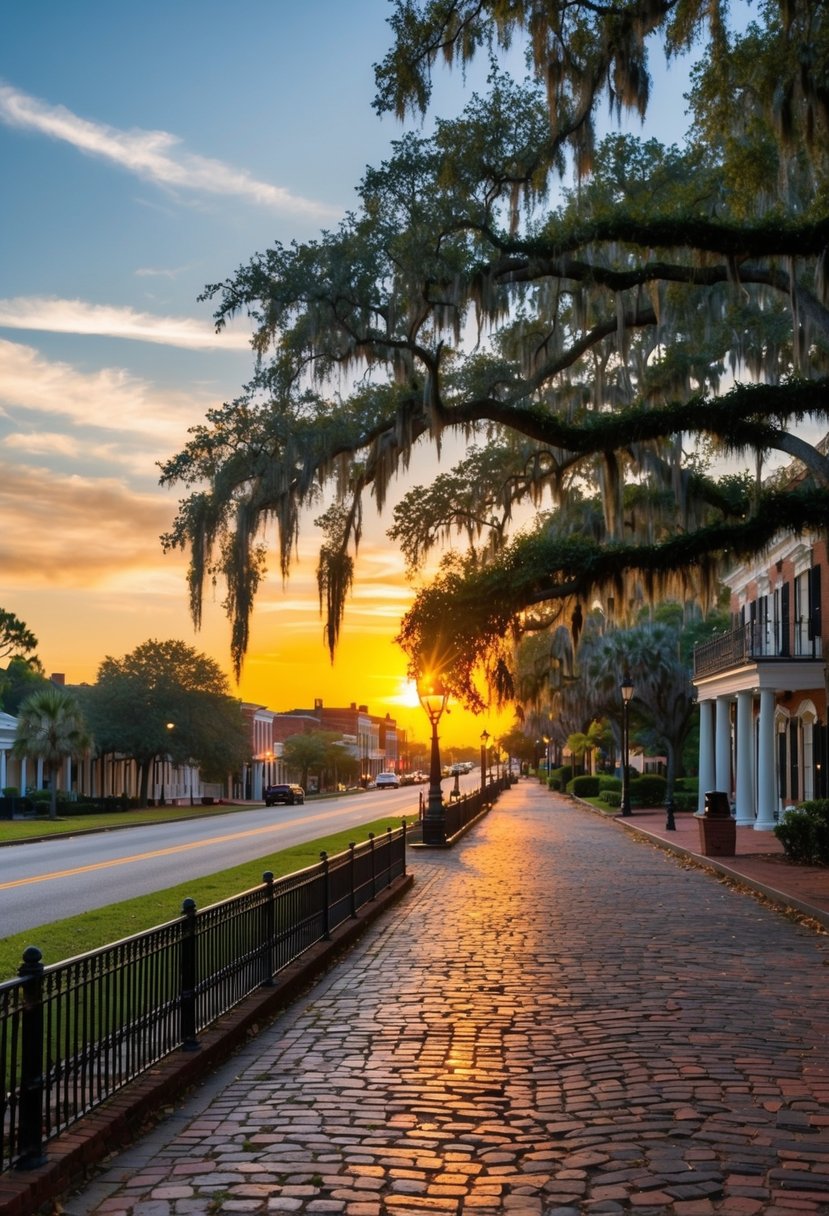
point(179, 848)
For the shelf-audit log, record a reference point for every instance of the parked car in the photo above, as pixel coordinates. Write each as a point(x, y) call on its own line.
point(386, 781)
point(287, 794)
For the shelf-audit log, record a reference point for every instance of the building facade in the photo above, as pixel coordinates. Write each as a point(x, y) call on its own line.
point(761, 687)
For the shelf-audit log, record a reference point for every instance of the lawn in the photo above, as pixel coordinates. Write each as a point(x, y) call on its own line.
point(64, 939)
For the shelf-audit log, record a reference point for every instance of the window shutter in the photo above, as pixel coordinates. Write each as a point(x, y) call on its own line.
point(785, 644)
point(814, 604)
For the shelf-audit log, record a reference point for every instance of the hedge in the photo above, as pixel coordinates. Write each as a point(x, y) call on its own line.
point(648, 790)
point(584, 786)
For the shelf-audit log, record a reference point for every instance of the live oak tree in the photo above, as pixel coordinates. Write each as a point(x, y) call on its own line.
point(166, 699)
point(16, 639)
point(669, 306)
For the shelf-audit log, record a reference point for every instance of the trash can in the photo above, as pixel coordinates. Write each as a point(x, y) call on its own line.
point(717, 830)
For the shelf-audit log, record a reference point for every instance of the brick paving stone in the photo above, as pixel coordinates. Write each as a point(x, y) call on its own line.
point(552, 1043)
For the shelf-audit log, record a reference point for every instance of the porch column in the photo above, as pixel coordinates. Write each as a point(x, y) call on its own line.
point(706, 751)
point(745, 758)
point(766, 785)
point(723, 745)
point(3, 781)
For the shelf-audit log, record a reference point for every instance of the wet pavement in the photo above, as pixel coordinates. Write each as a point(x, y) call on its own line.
point(559, 1018)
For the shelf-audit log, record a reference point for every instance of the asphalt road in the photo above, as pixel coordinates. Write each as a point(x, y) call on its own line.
point(48, 880)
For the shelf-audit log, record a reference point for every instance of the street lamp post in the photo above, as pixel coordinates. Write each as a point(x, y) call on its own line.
point(484, 741)
point(626, 689)
point(433, 697)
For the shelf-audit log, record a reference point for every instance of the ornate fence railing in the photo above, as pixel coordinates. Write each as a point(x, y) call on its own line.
point(75, 1032)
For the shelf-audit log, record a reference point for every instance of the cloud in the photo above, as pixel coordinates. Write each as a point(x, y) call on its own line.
point(155, 156)
point(71, 531)
point(110, 399)
point(80, 317)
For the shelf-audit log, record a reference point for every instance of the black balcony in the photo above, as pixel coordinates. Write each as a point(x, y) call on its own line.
point(752, 642)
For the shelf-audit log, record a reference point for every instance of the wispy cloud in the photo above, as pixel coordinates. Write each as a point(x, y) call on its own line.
point(80, 317)
point(160, 272)
point(110, 399)
point(105, 526)
point(155, 156)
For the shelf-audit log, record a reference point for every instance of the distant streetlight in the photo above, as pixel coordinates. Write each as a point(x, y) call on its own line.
point(484, 742)
point(433, 697)
point(626, 689)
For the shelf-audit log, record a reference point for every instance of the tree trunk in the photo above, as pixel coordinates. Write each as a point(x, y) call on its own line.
point(53, 792)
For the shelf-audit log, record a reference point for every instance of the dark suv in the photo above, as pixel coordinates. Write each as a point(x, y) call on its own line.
point(289, 794)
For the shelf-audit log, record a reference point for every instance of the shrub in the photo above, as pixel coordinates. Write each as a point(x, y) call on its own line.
point(685, 801)
point(608, 782)
point(804, 832)
point(553, 783)
point(686, 785)
point(648, 790)
point(563, 774)
point(611, 797)
point(583, 786)
point(10, 791)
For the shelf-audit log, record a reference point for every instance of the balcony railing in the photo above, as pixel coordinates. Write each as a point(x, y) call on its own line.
point(750, 642)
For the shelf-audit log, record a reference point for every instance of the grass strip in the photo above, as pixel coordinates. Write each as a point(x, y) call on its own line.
point(63, 939)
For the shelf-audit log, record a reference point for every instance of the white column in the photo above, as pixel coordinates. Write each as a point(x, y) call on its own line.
point(23, 786)
point(745, 758)
point(706, 751)
point(3, 781)
point(723, 745)
point(766, 784)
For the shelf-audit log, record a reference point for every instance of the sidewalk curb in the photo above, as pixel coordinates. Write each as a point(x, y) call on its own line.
point(770, 893)
point(123, 1118)
point(774, 896)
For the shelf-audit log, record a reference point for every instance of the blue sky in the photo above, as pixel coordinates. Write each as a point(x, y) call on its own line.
point(147, 150)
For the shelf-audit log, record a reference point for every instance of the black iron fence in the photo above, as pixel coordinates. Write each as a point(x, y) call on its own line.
point(73, 1033)
point(460, 812)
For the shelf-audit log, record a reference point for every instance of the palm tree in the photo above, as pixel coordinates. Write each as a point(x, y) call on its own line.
point(51, 727)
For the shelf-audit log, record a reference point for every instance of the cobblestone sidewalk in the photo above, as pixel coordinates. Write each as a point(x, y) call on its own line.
point(559, 1019)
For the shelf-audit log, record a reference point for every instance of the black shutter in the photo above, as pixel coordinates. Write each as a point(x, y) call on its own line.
point(785, 645)
point(814, 604)
point(794, 779)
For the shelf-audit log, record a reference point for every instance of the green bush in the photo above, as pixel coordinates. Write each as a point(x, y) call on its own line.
point(583, 786)
point(804, 832)
point(608, 782)
point(685, 801)
point(611, 797)
point(648, 790)
point(563, 775)
point(10, 791)
point(686, 785)
point(553, 783)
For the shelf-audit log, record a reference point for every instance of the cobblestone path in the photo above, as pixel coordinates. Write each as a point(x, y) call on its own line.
point(559, 1019)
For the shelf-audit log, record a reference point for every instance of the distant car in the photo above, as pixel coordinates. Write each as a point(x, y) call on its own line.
point(386, 781)
point(287, 794)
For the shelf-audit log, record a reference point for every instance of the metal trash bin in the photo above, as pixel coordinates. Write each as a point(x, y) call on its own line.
point(717, 830)
point(716, 805)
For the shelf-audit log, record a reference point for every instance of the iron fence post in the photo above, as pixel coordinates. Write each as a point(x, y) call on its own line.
point(351, 848)
point(30, 1126)
point(189, 1042)
point(268, 930)
point(373, 865)
point(326, 897)
point(389, 856)
point(403, 825)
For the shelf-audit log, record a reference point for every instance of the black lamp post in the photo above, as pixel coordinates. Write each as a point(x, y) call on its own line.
point(484, 741)
point(433, 697)
point(626, 689)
